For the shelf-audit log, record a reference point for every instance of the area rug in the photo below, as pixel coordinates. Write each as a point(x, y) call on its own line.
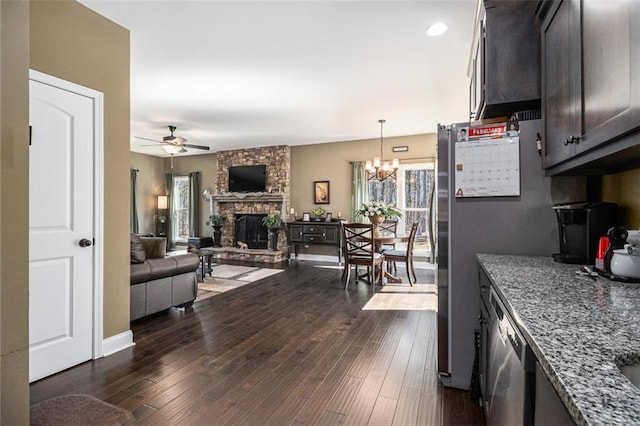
point(227, 277)
point(78, 410)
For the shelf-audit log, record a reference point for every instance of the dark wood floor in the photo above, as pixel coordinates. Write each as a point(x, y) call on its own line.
point(294, 348)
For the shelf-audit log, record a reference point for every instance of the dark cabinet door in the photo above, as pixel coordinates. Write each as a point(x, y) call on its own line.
point(561, 68)
point(611, 65)
point(295, 232)
point(590, 90)
point(511, 52)
point(330, 235)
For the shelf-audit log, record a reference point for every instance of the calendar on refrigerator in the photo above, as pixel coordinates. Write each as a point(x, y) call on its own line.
point(487, 162)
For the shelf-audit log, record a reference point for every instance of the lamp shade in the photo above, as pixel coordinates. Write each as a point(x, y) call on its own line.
point(162, 202)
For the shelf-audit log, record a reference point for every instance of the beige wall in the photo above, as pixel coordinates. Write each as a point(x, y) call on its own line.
point(332, 162)
point(624, 189)
point(71, 42)
point(151, 171)
point(14, 178)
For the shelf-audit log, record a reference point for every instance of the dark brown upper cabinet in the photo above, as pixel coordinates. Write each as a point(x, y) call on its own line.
point(506, 61)
point(590, 85)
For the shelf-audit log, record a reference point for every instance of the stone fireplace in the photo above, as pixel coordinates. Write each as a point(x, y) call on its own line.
point(234, 205)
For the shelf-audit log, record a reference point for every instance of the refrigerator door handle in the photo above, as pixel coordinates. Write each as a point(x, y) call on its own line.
point(432, 225)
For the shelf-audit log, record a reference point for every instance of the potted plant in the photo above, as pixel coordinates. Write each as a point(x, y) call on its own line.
point(273, 222)
point(377, 212)
point(318, 212)
point(217, 221)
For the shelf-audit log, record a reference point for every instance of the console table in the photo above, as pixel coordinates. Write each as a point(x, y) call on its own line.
point(313, 233)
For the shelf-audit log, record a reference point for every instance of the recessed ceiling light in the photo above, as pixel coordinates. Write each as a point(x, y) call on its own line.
point(437, 29)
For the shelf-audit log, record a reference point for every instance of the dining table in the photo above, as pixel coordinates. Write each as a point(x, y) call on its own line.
point(378, 242)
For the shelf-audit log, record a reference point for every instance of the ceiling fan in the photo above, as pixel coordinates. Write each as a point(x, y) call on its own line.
point(174, 144)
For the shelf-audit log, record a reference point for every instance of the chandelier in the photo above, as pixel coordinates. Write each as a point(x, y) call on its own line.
point(379, 170)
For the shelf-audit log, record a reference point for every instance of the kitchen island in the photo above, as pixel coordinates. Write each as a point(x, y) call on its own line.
point(580, 330)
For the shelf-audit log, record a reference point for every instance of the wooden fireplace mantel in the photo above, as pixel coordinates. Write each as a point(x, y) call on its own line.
point(238, 197)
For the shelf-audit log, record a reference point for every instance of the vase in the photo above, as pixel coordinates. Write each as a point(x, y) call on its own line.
point(376, 219)
point(272, 240)
point(217, 236)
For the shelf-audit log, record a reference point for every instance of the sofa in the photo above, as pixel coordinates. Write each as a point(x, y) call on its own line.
point(158, 281)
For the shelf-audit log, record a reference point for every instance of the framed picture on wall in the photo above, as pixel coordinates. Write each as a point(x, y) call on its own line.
point(321, 192)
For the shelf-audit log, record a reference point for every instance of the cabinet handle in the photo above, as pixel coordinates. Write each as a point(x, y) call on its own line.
point(571, 140)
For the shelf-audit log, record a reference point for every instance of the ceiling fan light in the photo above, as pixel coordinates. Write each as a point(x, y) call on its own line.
point(171, 149)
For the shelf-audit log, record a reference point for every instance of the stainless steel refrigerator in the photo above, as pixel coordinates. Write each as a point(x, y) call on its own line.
point(522, 224)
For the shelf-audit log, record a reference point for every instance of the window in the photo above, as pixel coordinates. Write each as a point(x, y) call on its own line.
point(411, 193)
point(181, 207)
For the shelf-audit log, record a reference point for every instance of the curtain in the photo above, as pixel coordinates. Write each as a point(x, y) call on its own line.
point(171, 210)
point(359, 188)
point(134, 225)
point(194, 204)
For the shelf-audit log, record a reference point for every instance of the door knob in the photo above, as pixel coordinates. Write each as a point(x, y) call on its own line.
point(85, 243)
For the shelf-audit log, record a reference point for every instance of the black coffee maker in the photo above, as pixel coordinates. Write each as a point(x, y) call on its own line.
point(580, 227)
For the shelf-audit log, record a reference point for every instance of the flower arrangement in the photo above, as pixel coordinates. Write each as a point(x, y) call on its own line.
point(217, 220)
point(318, 211)
point(378, 208)
point(273, 221)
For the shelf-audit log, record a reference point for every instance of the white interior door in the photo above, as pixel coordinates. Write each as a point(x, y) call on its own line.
point(61, 229)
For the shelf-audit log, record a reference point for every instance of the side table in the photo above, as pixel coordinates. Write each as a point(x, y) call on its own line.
point(205, 255)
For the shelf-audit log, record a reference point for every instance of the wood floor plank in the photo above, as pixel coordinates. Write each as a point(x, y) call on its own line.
point(397, 370)
point(410, 392)
point(383, 412)
point(293, 348)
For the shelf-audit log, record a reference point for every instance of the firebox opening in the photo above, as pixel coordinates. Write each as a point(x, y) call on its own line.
point(251, 231)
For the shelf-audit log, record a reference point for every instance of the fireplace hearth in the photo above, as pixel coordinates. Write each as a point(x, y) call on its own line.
point(251, 231)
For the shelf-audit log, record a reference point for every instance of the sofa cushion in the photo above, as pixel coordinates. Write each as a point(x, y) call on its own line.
point(137, 250)
point(154, 247)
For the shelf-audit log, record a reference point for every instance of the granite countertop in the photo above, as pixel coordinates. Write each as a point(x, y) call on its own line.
point(580, 330)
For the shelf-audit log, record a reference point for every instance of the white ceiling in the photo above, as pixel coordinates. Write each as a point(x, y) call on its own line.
point(238, 74)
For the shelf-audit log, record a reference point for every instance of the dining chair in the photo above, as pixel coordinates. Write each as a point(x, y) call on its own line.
point(406, 256)
point(389, 227)
point(359, 250)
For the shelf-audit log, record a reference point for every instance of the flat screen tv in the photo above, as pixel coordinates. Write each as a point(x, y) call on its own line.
point(247, 178)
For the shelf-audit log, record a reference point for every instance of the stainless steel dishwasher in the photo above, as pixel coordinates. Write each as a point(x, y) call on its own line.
point(511, 375)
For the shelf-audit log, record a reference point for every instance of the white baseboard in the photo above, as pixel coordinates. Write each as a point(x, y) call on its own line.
point(116, 343)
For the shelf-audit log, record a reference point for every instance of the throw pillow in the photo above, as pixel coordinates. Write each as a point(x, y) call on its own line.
point(154, 247)
point(137, 250)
